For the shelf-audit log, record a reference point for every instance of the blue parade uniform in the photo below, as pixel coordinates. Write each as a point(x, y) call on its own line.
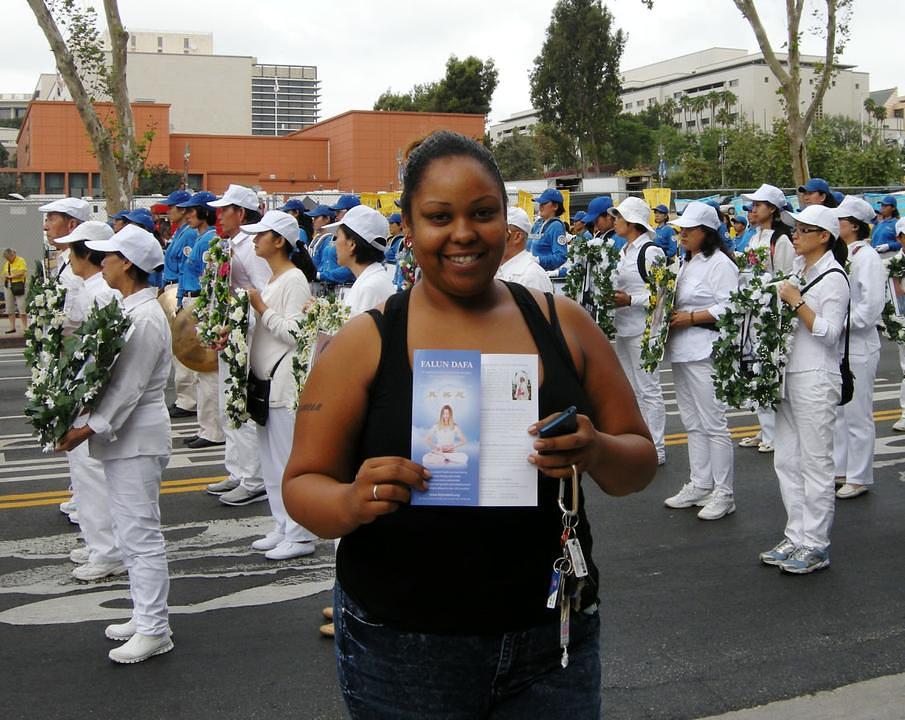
point(330, 270)
point(175, 253)
point(392, 250)
point(547, 242)
point(741, 242)
point(193, 267)
point(665, 239)
point(885, 234)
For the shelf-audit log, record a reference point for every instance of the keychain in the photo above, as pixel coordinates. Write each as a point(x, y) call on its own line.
point(569, 568)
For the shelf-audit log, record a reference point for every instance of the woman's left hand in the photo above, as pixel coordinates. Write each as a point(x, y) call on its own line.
point(789, 294)
point(73, 438)
point(680, 319)
point(555, 456)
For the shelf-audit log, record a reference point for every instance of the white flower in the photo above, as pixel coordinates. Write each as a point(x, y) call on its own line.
point(241, 357)
point(236, 336)
point(38, 300)
point(238, 314)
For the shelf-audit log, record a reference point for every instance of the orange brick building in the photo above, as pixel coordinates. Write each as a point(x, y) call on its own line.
point(357, 151)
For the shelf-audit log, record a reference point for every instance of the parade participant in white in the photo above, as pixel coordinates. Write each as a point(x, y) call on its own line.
point(62, 218)
point(853, 438)
point(243, 484)
point(518, 264)
point(129, 433)
point(773, 235)
point(277, 310)
point(703, 286)
point(631, 221)
point(103, 557)
point(807, 412)
point(361, 238)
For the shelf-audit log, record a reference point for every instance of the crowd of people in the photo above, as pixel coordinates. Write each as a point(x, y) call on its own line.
point(340, 465)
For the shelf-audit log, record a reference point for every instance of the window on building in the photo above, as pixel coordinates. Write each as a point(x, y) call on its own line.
point(628, 105)
point(185, 43)
point(641, 103)
point(766, 79)
point(689, 124)
point(54, 183)
point(733, 83)
point(132, 41)
point(31, 183)
point(677, 95)
point(898, 113)
point(705, 121)
point(78, 184)
point(857, 86)
point(97, 189)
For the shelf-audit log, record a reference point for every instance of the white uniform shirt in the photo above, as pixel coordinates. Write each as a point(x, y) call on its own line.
point(247, 269)
point(131, 418)
point(74, 289)
point(285, 296)
point(821, 347)
point(868, 287)
point(525, 270)
point(782, 257)
point(94, 292)
point(704, 283)
point(369, 290)
point(630, 320)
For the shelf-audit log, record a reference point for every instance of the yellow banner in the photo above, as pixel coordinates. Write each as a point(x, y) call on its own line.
point(387, 202)
point(370, 199)
point(567, 218)
point(656, 196)
point(526, 203)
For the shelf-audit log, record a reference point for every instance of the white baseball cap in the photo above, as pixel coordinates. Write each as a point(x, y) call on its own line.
point(91, 230)
point(519, 218)
point(858, 208)
point(819, 215)
point(698, 213)
point(74, 207)
point(366, 222)
point(237, 195)
point(277, 221)
point(633, 210)
point(767, 193)
point(900, 227)
point(138, 247)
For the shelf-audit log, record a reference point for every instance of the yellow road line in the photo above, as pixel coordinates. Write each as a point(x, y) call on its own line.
point(56, 500)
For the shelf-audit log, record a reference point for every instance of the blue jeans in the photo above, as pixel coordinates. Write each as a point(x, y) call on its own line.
point(385, 673)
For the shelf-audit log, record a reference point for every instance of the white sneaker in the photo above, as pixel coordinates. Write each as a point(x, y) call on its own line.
point(289, 549)
point(97, 571)
point(661, 460)
point(269, 541)
point(688, 496)
point(900, 424)
point(750, 441)
point(74, 517)
point(79, 555)
point(140, 647)
point(850, 491)
point(718, 506)
point(224, 486)
point(764, 448)
point(67, 507)
point(123, 631)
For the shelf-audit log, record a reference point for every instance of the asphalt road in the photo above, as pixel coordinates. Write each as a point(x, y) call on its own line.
point(693, 625)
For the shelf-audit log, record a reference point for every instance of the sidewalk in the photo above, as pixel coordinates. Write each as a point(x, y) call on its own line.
point(881, 698)
point(11, 340)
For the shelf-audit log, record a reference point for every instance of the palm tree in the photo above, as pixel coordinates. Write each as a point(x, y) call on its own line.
point(697, 105)
point(669, 110)
point(728, 99)
point(712, 99)
point(685, 105)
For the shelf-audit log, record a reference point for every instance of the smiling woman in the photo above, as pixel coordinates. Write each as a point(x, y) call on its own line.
point(414, 586)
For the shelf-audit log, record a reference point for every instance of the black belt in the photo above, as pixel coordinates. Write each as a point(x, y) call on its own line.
point(189, 294)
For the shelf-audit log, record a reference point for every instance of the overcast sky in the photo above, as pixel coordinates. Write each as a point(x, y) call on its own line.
point(362, 47)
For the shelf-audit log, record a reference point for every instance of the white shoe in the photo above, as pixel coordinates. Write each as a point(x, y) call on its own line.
point(140, 647)
point(269, 541)
point(764, 448)
point(688, 496)
point(289, 549)
point(74, 517)
point(97, 571)
point(900, 424)
point(79, 555)
point(850, 491)
point(67, 507)
point(123, 631)
point(661, 460)
point(718, 506)
point(750, 441)
point(222, 487)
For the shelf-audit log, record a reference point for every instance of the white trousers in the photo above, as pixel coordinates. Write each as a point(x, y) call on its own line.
point(803, 459)
point(855, 431)
point(767, 420)
point(89, 486)
point(186, 382)
point(274, 447)
point(241, 456)
point(133, 486)
point(647, 388)
point(210, 426)
point(710, 450)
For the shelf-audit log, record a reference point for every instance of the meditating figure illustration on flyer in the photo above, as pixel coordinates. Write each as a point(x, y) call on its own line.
point(444, 440)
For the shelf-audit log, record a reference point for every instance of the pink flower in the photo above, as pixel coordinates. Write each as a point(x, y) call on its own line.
point(224, 269)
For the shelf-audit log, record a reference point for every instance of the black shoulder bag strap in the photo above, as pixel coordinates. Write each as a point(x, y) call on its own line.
point(848, 382)
point(642, 265)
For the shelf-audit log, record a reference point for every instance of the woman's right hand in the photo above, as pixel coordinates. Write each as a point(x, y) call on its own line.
point(382, 485)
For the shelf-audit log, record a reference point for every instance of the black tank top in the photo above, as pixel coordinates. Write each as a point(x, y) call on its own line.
point(459, 571)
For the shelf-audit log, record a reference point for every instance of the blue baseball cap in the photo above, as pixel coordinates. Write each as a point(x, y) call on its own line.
point(142, 218)
point(549, 195)
point(889, 200)
point(395, 218)
point(176, 197)
point(715, 204)
point(346, 202)
point(747, 208)
point(293, 204)
point(597, 207)
point(815, 185)
point(741, 220)
point(120, 215)
point(578, 217)
point(198, 199)
point(662, 209)
point(321, 211)
point(838, 196)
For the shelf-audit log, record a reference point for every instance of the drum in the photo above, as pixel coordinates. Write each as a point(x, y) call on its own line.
point(186, 346)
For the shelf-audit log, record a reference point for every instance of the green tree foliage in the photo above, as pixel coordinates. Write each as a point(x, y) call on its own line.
point(158, 180)
point(517, 156)
point(467, 87)
point(575, 83)
point(11, 122)
point(4, 156)
point(556, 150)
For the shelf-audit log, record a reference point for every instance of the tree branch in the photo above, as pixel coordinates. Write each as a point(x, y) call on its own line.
point(749, 11)
point(119, 93)
point(829, 64)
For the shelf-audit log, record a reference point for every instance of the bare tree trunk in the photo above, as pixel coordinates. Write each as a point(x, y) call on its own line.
point(119, 92)
point(798, 153)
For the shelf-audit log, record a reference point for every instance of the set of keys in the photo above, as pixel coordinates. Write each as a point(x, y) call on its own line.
point(569, 569)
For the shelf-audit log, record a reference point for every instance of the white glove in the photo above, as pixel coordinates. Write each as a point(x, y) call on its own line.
point(882, 248)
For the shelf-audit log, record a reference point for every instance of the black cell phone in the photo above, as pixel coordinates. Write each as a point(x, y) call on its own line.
point(565, 423)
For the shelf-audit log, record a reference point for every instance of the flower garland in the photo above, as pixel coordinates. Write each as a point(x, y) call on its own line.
point(752, 260)
point(235, 353)
point(408, 266)
point(661, 281)
point(893, 328)
point(321, 315)
point(213, 305)
point(750, 376)
point(602, 259)
point(82, 371)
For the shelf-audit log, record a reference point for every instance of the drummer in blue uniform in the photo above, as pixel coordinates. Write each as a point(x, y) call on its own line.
point(743, 233)
point(548, 239)
point(320, 216)
point(883, 238)
point(143, 218)
point(182, 235)
point(329, 270)
point(665, 237)
point(394, 245)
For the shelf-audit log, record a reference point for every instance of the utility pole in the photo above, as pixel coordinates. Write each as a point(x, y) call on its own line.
point(185, 166)
point(723, 145)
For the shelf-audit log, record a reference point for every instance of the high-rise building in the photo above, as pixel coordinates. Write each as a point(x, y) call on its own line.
point(284, 98)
